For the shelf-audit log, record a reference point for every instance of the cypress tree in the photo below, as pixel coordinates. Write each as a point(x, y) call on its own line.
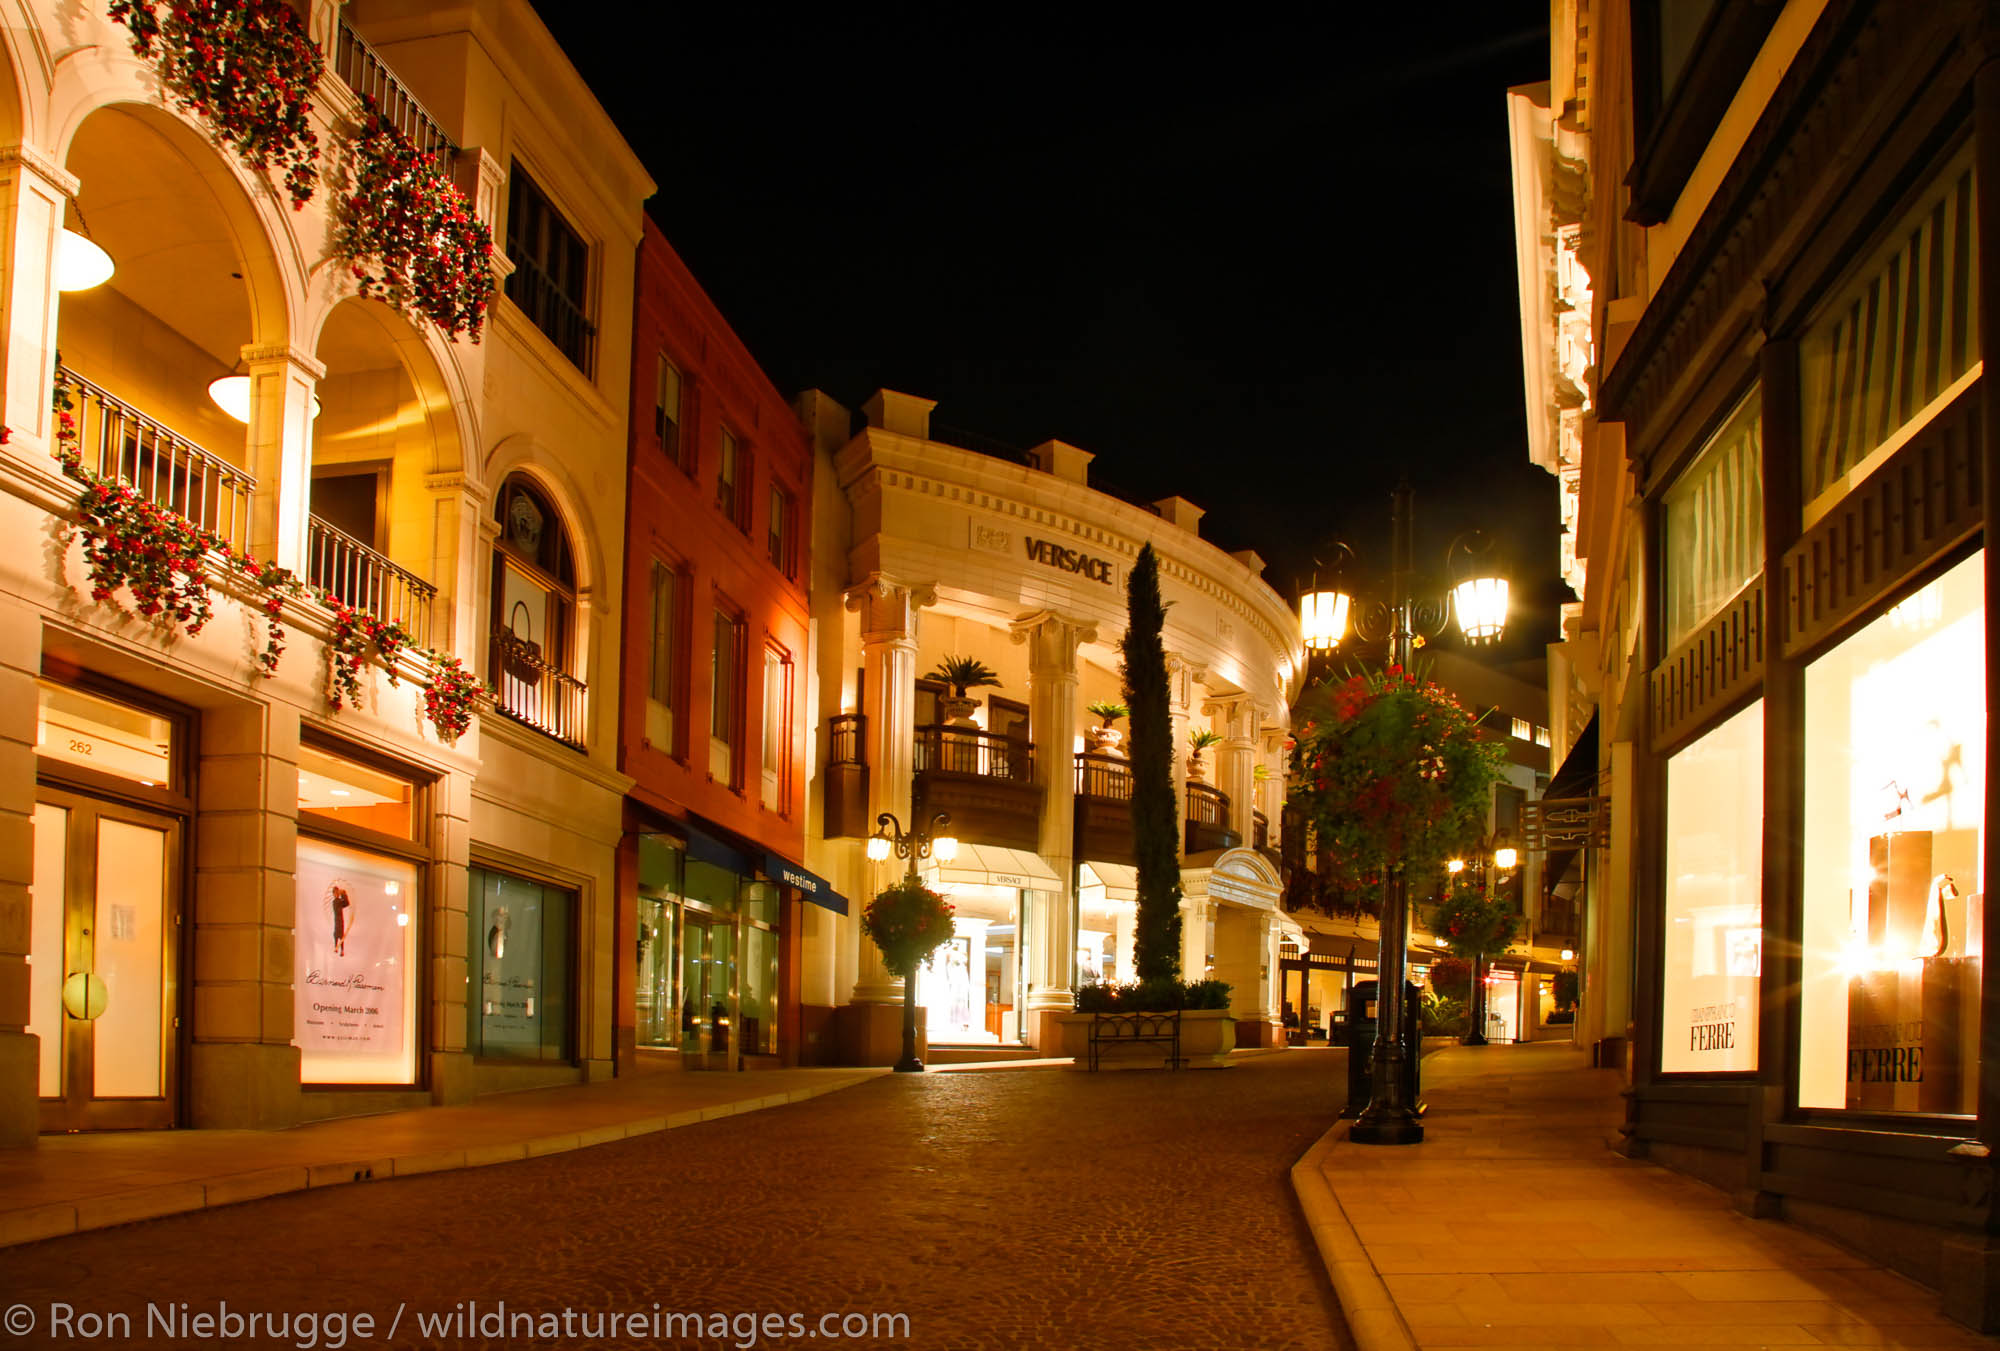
point(1155, 821)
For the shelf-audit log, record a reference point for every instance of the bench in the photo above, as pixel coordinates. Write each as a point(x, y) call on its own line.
point(1113, 1028)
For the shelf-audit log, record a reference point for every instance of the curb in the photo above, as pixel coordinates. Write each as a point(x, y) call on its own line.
point(1372, 1316)
point(36, 1223)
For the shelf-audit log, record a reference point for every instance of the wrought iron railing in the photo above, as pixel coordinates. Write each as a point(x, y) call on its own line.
point(529, 690)
point(844, 738)
point(974, 752)
point(117, 441)
point(363, 70)
point(362, 579)
point(1108, 777)
point(552, 311)
point(1206, 805)
point(1260, 832)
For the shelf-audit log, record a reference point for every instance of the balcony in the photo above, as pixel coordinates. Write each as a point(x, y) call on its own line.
point(368, 75)
point(362, 579)
point(1104, 808)
point(985, 780)
point(846, 780)
point(532, 692)
point(117, 441)
point(1208, 819)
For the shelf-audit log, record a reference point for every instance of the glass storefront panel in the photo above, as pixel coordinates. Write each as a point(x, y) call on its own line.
point(46, 896)
point(1714, 523)
point(355, 978)
point(758, 1009)
point(518, 968)
point(1714, 922)
point(1895, 724)
point(972, 988)
point(658, 1011)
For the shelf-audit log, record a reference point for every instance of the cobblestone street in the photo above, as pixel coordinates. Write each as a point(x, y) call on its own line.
point(997, 1209)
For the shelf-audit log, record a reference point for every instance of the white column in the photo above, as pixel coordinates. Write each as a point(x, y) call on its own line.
point(278, 444)
point(1052, 641)
point(34, 191)
point(888, 611)
point(1181, 681)
point(1194, 937)
point(1236, 763)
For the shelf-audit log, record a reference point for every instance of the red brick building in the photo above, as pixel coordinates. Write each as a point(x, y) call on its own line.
point(713, 718)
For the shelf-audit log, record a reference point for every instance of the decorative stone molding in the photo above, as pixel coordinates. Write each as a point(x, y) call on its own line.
point(311, 367)
point(43, 167)
point(1052, 640)
point(888, 608)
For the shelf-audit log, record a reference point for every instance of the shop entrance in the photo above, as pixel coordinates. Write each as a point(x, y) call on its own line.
point(104, 945)
point(708, 991)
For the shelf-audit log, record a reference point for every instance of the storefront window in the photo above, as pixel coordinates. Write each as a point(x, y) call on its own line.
point(355, 946)
point(972, 986)
point(760, 990)
point(335, 788)
point(518, 968)
point(658, 1013)
point(1894, 892)
point(1713, 944)
point(112, 738)
point(1714, 527)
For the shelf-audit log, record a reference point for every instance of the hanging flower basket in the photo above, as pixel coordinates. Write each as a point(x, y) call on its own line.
point(1473, 924)
point(247, 68)
point(407, 234)
point(908, 922)
point(1392, 773)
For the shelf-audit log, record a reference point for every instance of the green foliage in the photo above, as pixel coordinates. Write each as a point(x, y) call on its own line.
point(1443, 1015)
point(1108, 709)
point(909, 922)
point(1156, 823)
point(1568, 986)
point(1200, 739)
point(1153, 996)
point(1393, 775)
point(1473, 924)
point(1451, 976)
point(965, 673)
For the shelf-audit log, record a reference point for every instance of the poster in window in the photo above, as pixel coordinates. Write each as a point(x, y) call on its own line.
point(510, 1004)
point(1713, 944)
point(354, 982)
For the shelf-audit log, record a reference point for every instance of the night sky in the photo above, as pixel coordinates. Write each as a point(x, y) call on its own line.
point(1264, 263)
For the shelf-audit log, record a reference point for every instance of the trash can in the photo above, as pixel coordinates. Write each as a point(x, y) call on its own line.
point(1362, 1026)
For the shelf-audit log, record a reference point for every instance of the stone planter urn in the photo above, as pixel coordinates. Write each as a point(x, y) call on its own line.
point(958, 712)
point(1197, 768)
point(1103, 741)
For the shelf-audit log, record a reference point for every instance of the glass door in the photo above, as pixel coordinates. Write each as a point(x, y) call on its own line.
point(708, 992)
point(104, 950)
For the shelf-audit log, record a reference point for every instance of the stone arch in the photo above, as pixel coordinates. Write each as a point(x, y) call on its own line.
point(523, 454)
point(438, 383)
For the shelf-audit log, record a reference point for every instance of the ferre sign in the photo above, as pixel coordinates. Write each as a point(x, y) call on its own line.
point(1053, 555)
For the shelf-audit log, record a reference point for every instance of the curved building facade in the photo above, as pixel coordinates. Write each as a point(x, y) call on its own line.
point(925, 551)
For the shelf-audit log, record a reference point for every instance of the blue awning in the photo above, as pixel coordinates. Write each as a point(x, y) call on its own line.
point(810, 884)
point(703, 847)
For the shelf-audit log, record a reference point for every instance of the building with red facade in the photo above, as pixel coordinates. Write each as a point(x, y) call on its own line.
point(714, 716)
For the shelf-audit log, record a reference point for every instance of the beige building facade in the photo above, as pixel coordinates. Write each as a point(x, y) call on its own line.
point(925, 551)
point(227, 900)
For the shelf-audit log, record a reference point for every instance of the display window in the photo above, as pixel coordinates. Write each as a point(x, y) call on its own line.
point(1895, 814)
point(971, 987)
point(1713, 919)
point(661, 863)
point(518, 968)
point(1714, 523)
point(355, 945)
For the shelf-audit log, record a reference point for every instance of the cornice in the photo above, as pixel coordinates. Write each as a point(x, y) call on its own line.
point(877, 461)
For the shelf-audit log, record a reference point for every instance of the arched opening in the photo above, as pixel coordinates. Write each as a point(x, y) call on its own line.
point(385, 424)
point(534, 619)
point(139, 352)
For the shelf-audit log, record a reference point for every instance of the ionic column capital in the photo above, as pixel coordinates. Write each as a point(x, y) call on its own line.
point(1052, 640)
point(888, 608)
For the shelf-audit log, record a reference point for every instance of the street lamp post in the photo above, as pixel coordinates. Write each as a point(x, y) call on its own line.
point(1481, 606)
point(1498, 857)
point(915, 844)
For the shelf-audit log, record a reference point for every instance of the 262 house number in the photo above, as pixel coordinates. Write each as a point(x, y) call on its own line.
point(80, 747)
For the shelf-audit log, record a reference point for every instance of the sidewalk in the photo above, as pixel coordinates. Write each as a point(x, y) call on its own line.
point(1514, 1225)
point(73, 1182)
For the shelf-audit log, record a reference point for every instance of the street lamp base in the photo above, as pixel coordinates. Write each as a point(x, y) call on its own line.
point(1386, 1128)
point(909, 1064)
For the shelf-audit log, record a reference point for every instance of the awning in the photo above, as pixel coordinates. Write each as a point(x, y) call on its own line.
point(810, 884)
point(703, 847)
point(1577, 776)
point(1119, 880)
point(993, 865)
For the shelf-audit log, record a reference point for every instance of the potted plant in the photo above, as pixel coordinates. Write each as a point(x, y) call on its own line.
point(1207, 1032)
point(962, 674)
point(1104, 739)
point(1199, 740)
